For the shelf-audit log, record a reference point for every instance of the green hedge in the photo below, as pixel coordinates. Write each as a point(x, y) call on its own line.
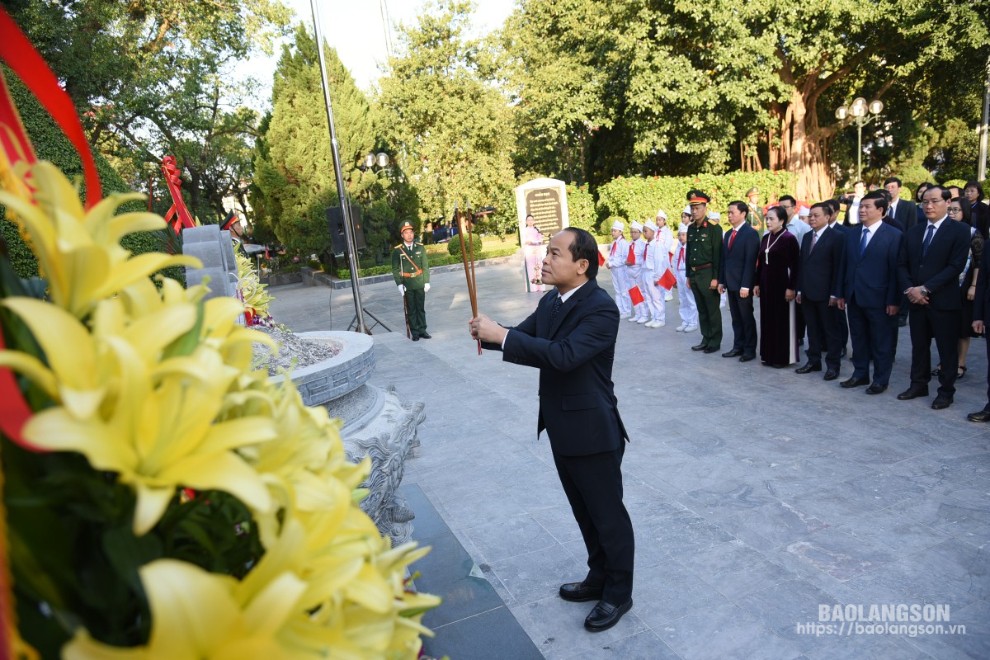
point(638, 198)
point(51, 144)
point(437, 260)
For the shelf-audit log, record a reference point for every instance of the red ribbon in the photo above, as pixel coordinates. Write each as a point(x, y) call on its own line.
point(17, 52)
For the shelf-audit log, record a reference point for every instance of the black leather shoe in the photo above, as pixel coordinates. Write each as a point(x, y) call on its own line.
point(912, 393)
point(711, 349)
point(941, 402)
point(808, 368)
point(981, 416)
point(854, 382)
point(735, 352)
point(700, 347)
point(415, 338)
point(578, 592)
point(747, 358)
point(876, 388)
point(605, 615)
point(426, 335)
point(831, 374)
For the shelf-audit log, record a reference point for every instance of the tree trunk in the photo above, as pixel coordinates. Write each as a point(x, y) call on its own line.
point(803, 149)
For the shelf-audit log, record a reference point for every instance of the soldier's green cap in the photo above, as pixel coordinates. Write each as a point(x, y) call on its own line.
point(406, 225)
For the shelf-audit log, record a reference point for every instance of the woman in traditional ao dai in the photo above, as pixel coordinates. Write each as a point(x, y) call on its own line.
point(534, 252)
point(776, 272)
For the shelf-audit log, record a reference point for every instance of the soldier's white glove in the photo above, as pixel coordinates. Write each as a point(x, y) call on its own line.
point(402, 289)
point(426, 287)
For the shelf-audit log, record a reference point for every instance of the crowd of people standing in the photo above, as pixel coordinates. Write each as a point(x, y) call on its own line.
point(832, 280)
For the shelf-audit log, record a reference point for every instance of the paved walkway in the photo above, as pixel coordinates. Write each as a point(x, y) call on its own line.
point(758, 496)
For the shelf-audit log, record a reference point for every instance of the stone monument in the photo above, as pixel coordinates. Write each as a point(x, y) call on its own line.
point(546, 200)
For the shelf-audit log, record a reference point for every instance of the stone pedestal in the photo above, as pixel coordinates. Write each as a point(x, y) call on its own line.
point(375, 423)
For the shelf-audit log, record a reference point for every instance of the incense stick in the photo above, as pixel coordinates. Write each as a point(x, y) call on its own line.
point(468, 268)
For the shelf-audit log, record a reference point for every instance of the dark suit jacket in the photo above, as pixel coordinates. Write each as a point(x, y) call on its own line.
point(821, 268)
point(981, 304)
point(942, 264)
point(871, 281)
point(905, 215)
point(578, 407)
point(738, 267)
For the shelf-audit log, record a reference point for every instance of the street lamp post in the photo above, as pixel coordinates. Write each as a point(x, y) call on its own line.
point(858, 110)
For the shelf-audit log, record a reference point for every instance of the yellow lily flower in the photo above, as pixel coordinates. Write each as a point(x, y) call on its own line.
point(198, 615)
point(156, 426)
point(79, 252)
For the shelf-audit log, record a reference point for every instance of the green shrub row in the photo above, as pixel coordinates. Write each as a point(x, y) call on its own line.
point(638, 198)
point(435, 260)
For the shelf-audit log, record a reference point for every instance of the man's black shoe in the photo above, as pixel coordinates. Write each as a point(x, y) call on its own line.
point(876, 388)
point(747, 358)
point(415, 337)
point(735, 352)
point(711, 349)
point(981, 416)
point(605, 615)
point(426, 335)
point(831, 374)
point(700, 347)
point(941, 402)
point(579, 592)
point(808, 368)
point(912, 393)
point(855, 382)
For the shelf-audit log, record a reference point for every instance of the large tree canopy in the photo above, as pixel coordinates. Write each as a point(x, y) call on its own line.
point(154, 77)
point(450, 124)
point(668, 87)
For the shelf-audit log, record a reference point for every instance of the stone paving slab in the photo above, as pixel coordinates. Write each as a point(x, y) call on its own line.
point(756, 494)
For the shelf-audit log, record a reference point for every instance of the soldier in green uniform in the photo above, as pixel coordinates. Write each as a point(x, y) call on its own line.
point(412, 273)
point(704, 255)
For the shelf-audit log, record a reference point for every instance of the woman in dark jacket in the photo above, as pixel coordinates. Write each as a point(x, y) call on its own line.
point(776, 273)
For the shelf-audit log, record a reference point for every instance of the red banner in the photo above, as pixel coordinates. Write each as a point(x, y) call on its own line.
point(667, 280)
point(636, 295)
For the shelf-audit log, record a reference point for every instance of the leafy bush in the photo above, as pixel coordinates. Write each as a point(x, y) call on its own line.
point(638, 198)
point(437, 260)
point(581, 207)
point(454, 246)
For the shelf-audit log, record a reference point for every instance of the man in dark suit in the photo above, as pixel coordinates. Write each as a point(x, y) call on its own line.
point(981, 316)
point(818, 287)
point(932, 257)
point(736, 274)
point(902, 211)
point(839, 315)
point(570, 338)
point(870, 293)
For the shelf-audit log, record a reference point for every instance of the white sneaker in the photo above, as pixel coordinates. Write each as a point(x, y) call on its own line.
point(623, 316)
point(669, 296)
point(690, 328)
point(632, 319)
point(642, 321)
point(651, 324)
point(659, 324)
point(680, 328)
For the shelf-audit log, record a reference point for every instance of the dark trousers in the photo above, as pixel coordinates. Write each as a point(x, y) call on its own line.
point(709, 315)
point(987, 334)
point(943, 327)
point(839, 318)
point(823, 333)
point(593, 485)
point(743, 323)
point(416, 309)
point(872, 339)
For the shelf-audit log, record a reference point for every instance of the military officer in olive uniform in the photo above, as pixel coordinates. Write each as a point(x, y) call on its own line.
point(412, 273)
point(704, 256)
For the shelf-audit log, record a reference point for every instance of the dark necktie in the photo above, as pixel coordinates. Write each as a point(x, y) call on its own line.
point(862, 241)
point(557, 302)
point(814, 239)
point(928, 239)
point(732, 239)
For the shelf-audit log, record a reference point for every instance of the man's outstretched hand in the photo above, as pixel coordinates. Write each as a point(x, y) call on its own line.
point(487, 330)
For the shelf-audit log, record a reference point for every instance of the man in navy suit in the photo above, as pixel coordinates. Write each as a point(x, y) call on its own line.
point(736, 274)
point(839, 315)
point(903, 211)
point(932, 257)
point(870, 293)
point(818, 285)
point(570, 338)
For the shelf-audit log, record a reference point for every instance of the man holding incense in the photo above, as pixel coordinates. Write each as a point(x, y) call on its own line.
point(570, 338)
point(411, 272)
